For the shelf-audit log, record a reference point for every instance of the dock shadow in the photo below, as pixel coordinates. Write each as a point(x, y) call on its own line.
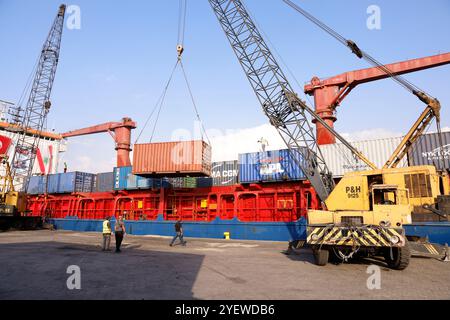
point(37, 271)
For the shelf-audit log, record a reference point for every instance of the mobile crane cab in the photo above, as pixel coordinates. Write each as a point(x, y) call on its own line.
point(364, 219)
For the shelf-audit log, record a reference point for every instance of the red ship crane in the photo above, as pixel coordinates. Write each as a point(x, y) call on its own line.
point(329, 93)
point(120, 132)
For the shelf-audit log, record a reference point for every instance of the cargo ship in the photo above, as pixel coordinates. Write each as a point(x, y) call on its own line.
point(261, 196)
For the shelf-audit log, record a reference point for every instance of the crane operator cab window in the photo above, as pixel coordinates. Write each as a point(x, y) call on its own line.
point(389, 196)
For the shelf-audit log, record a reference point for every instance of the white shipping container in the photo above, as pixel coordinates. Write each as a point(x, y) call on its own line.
point(340, 160)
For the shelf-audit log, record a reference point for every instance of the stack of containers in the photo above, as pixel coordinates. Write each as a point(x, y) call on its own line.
point(124, 179)
point(182, 182)
point(222, 174)
point(340, 160)
point(71, 182)
point(428, 151)
point(37, 185)
point(270, 166)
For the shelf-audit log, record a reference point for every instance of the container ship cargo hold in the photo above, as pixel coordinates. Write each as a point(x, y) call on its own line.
point(263, 196)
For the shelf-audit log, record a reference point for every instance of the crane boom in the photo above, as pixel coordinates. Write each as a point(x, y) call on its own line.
point(286, 111)
point(271, 87)
point(33, 116)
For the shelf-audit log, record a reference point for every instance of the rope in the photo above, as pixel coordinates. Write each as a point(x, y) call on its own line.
point(338, 147)
point(194, 104)
point(17, 108)
point(182, 21)
point(159, 104)
point(361, 54)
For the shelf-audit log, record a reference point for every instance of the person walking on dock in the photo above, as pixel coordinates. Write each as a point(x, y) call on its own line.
point(179, 233)
point(119, 230)
point(107, 232)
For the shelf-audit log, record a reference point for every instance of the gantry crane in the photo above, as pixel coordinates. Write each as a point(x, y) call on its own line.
point(31, 119)
point(119, 131)
point(366, 211)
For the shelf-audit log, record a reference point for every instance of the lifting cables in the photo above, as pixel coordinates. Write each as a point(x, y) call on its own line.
point(347, 154)
point(358, 52)
point(432, 103)
point(180, 50)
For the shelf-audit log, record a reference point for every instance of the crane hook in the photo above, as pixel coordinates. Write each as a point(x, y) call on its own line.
point(180, 50)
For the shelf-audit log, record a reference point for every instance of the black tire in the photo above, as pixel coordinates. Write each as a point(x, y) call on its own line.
point(400, 257)
point(334, 258)
point(321, 256)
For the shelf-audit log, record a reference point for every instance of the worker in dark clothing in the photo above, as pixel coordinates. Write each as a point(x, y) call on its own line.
point(120, 232)
point(179, 233)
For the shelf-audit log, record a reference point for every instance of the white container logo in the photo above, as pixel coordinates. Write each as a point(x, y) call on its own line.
point(270, 169)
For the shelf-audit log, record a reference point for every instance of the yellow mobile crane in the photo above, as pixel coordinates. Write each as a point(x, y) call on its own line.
point(365, 213)
point(427, 186)
point(28, 124)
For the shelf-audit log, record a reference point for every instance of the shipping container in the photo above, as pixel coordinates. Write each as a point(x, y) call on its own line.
point(121, 177)
point(37, 185)
point(176, 183)
point(124, 179)
point(189, 158)
point(204, 182)
point(428, 150)
point(104, 182)
point(340, 160)
point(270, 166)
point(70, 182)
point(225, 173)
point(182, 182)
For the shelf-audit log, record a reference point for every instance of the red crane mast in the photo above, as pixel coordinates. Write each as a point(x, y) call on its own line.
point(120, 132)
point(329, 93)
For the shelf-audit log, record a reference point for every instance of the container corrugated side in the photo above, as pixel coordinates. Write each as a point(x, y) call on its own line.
point(191, 158)
point(225, 173)
point(37, 185)
point(121, 177)
point(340, 160)
point(270, 166)
point(70, 182)
point(428, 150)
point(124, 179)
point(104, 182)
point(205, 182)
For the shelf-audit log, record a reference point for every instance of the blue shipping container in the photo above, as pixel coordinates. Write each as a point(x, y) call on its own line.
point(70, 182)
point(270, 166)
point(37, 185)
point(124, 179)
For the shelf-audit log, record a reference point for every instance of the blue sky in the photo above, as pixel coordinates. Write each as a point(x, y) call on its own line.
point(117, 64)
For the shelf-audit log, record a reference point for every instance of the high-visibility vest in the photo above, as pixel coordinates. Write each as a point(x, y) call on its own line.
point(106, 228)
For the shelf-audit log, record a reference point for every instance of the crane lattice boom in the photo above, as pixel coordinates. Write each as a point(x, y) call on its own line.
point(33, 116)
point(274, 91)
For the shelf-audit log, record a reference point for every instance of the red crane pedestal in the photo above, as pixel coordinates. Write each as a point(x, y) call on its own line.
point(329, 93)
point(120, 132)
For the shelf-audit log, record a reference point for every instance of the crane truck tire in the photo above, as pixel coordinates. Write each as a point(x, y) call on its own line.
point(400, 257)
point(321, 256)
